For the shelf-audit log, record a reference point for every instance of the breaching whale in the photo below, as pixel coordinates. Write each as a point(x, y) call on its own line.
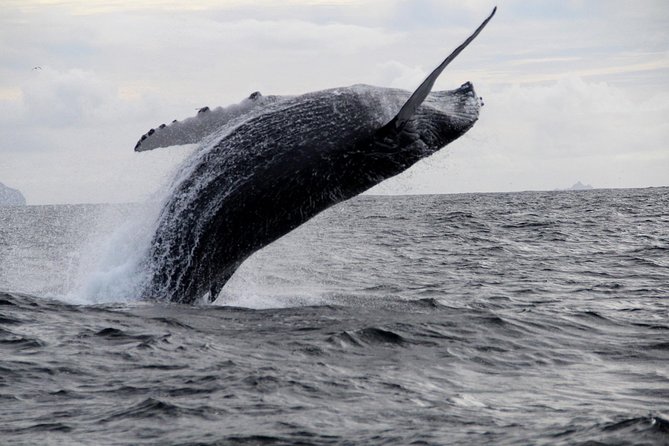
point(270, 163)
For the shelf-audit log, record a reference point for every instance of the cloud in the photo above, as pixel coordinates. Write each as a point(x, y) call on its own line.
point(73, 97)
point(68, 137)
point(85, 174)
point(572, 88)
point(398, 75)
point(70, 99)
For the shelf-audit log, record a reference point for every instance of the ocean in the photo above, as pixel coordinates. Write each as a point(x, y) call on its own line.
point(533, 318)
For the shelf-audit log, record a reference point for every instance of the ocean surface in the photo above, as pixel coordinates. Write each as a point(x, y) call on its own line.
point(536, 318)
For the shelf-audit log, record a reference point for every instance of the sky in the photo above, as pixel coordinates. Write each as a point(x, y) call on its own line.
point(573, 90)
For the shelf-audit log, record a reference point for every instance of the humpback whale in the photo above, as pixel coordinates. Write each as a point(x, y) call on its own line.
point(270, 163)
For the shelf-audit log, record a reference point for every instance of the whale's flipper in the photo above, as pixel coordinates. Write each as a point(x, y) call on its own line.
point(195, 129)
point(418, 96)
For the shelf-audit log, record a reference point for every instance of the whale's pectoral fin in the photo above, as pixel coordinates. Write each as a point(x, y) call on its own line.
point(418, 96)
point(195, 129)
point(188, 131)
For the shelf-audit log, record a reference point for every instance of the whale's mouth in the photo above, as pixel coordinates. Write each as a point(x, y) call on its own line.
point(461, 104)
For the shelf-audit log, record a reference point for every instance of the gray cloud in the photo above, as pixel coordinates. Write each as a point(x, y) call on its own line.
point(572, 88)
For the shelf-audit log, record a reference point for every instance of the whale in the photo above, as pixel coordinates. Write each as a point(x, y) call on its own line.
point(267, 165)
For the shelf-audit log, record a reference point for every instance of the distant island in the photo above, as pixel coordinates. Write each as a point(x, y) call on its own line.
point(11, 197)
point(580, 186)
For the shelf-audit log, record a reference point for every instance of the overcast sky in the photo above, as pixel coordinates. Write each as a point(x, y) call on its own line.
point(574, 90)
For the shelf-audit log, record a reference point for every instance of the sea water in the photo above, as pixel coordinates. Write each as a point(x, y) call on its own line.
point(519, 318)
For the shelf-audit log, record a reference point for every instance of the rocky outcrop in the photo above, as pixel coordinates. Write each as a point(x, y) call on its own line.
point(11, 197)
point(580, 186)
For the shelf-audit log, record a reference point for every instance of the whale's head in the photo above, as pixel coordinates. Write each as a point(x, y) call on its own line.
point(393, 147)
point(443, 117)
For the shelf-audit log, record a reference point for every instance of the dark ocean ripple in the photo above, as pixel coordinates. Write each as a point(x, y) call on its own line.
point(525, 318)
